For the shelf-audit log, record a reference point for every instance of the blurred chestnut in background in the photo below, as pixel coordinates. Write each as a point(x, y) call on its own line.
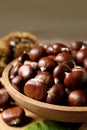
point(76, 45)
point(55, 48)
point(81, 55)
point(24, 56)
point(14, 70)
point(85, 63)
point(4, 99)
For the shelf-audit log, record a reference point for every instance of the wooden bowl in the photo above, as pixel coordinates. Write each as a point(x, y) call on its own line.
point(44, 110)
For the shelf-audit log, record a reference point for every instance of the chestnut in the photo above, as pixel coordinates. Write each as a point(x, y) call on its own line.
point(76, 45)
point(24, 56)
point(26, 71)
point(59, 72)
point(73, 53)
point(55, 94)
point(55, 48)
point(47, 64)
point(32, 64)
point(36, 53)
point(85, 63)
point(45, 77)
point(14, 70)
point(35, 88)
point(77, 98)
point(81, 55)
point(52, 56)
point(66, 58)
point(76, 79)
point(63, 56)
point(18, 83)
point(4, 99)
point(13, 116)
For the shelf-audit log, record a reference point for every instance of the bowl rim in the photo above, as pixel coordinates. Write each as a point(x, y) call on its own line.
point(6, 82)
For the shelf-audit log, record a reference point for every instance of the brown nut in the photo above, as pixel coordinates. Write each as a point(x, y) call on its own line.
point(18, 83)
point(85, 63)
point(45, 77)
point(59, 72)
point(47, 64)
point(13, 116)
point(32, 64)
point(36, 53)
point(55, 48)
point(24, 56)
point(14, 70)
point(36, 89)
point(77, 98)
point(63, 57)
point(76, 45)
point(81, 55)
point(55, 94)
point(26, 71)
point(4, 99)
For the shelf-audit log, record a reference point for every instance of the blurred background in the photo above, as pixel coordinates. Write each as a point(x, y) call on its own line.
point(65, 19)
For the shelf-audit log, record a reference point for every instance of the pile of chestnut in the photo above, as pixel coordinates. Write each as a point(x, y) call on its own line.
point(55, 73)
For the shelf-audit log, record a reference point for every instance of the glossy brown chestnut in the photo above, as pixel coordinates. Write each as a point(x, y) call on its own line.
point(45, 77)
point(55, 94)
point(77, 98)
point(14, 70)
point(55, 48)
point(46, 64)
point(52, 56)
point(73, 53)
point(18, 83)
point(24, 56)
point(76, 79)
point(36, 89)
point(13, 116)
point(32, 64)
point(59, 72)
point(81, 55)
point(76, 45)
point(26, 71)
point(4, 99)
point(63, 57)
point(85, 63)
point(36, 53)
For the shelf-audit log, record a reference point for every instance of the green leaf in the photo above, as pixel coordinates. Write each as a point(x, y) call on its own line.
point(53, 125)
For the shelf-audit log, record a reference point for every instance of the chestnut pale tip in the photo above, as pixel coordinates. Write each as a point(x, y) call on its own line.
point(50, 93)
point(83, 47)
point(33, 64)
point(42, 69)
point(56, 80)
point(64, 49)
